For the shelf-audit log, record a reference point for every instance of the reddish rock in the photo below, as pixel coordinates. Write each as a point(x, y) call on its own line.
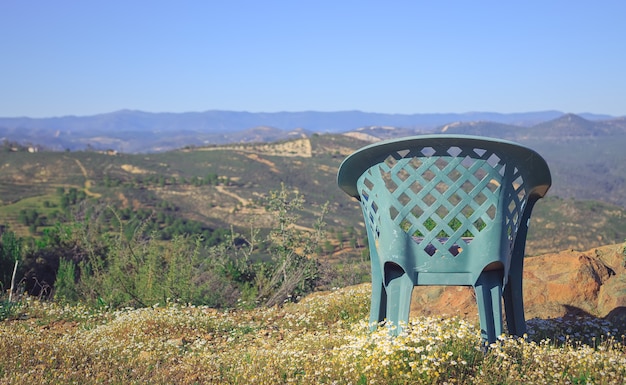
point(555, 285)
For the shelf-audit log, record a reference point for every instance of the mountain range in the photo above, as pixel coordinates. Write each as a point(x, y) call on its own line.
point(143, 132)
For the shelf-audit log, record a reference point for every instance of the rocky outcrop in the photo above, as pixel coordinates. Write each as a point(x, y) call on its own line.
point(568, 283)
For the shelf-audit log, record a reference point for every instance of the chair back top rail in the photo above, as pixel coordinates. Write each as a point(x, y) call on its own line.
point(537, 174)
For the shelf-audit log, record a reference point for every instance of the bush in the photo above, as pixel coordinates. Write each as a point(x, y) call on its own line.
point(107, 258)
point(65, 283)
point(293, 269)
point(144, 271)
point(8, 309)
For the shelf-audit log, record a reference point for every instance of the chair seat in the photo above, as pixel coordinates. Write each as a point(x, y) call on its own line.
point(443, 279)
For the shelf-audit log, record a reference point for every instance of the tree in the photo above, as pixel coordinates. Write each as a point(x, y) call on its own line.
point(340, 238)
point(65, 202)
point(72, 195)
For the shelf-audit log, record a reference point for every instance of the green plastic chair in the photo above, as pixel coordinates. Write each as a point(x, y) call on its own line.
point(447, 210)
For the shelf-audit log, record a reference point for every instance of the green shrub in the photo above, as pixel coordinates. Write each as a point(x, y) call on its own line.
point(144, 271)
point(118, 259)
point(293, 269)
point(8, 309)
point(65, 283)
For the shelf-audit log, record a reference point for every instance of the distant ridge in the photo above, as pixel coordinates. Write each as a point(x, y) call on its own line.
point(574, 125)
point(138, 131)
point(220, 121)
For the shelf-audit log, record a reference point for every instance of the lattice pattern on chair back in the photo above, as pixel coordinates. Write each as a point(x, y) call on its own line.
point(444, 196)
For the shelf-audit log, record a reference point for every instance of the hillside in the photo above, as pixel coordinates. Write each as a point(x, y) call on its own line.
point(585, 153)
point(586, 157)
point(244, 173)
point(586, 168)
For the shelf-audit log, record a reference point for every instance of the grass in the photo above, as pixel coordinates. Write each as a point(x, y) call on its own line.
point(323, 339)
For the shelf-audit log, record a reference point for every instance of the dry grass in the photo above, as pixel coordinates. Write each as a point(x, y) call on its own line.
point(324, 339)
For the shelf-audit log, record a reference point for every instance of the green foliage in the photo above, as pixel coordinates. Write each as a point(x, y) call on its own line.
point(162, 222)
point(42, 256)
point(71, 198)
point(8, 309)
point(143, 271)
point(10, 253)
point(65, 283)
point(131, 265)
point(154, 180)
point(293, 270)
point(125, 268)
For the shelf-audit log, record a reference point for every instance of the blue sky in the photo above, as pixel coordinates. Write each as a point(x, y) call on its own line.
point(88, 57)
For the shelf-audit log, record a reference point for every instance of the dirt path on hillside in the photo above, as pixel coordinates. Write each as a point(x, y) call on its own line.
point(244, 202)
point(266, 162)
point(87, 181)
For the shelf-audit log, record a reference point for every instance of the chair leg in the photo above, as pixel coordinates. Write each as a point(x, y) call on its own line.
point(399, 286)
point(378, 308)
point(514, 305)
point(513, 292)
point(489, 300)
